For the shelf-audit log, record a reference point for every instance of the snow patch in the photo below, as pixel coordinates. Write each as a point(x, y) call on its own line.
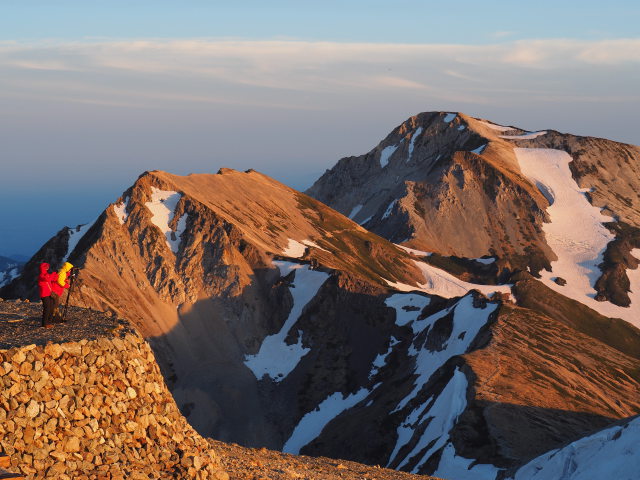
point(312, 424)
point(407, 306)
point(459, 468)
point(610, 453)
point(495, 126)
point(413, 139)
point(442, 283)
point(449, 117)
point(275, 358)
point(420, 253)
point(389, 209)
point(486, 261)
point(467, 322)
point(525, 136)
point(366, 220)
point(294, 249)
point(479, 150)
point(461, 127)
point(355, 211)
point(309, 243)
point(75, 235)
point(386, 154)
point(175, 237)
point(8, 276)
point(443, 414)
point(381, 359)
point(162, 207)
point(576, 233)
point(121, 210)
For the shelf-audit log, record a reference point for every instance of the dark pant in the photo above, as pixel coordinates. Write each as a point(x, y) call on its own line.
point(56, 303)
point(47, 310)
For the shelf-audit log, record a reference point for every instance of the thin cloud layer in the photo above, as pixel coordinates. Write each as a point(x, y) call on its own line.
point(307, 75)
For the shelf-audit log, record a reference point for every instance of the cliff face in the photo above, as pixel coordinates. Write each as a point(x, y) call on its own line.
point(92, 409)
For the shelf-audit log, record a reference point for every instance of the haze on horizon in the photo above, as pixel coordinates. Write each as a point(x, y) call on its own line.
point(93, 94)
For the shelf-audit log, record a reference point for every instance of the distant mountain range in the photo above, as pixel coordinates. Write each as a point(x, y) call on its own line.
point(9, 269)
point(458, 301)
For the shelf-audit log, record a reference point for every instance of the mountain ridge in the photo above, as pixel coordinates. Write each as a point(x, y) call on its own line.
point(279, 322)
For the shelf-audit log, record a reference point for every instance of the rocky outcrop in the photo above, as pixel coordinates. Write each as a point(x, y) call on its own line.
point(94, 409)
point(444, 183)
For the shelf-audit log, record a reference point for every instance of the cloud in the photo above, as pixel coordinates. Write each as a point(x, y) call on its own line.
point(305, 75)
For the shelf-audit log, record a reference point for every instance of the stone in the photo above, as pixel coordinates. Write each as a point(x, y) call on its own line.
point(25, 368)
point(33, 409)
point(72, 348)
point(29, 434)
point(58, 455)
point(54, 350)
point(19, 357)
point(71, 444)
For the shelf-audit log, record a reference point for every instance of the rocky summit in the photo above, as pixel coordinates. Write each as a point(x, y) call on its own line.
point(458, 302)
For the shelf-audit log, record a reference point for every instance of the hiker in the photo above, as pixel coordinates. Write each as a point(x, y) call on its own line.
point(60, 282)
point(44, 284)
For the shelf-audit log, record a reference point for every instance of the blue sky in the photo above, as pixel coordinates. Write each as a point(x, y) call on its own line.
point(409, 21)
point(92, 93)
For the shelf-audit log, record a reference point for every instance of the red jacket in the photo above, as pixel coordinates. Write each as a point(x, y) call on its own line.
point(57, 289)
point(44, 280)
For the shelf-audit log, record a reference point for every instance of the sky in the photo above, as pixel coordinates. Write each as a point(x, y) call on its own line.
point(94, 93)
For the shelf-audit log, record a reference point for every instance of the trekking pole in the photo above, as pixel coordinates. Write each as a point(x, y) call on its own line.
point(72, 281)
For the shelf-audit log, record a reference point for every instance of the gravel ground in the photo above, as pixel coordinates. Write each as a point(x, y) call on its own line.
point(243, 463)
point(20, 325)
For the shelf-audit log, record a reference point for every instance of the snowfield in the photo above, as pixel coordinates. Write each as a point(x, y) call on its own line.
point(438, 414)
point(355, 211)
point(524, 136)
point(276, 359)
point(439, 282)
point(294, 249)
point(311, 425)
point(479, 150)
point(467, 322)
point(419, 253)
point(121, 210)
point(609, 454)
point(8, 276)
point(449, 117)
point(495, 126)
point(75, 235)
point(309, 243)
point(386, 154)
point(576, 233)
point(415, 135)
point(162, 207)
point(389, 209)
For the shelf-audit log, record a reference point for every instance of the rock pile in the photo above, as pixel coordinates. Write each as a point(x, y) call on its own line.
point(96, 409)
